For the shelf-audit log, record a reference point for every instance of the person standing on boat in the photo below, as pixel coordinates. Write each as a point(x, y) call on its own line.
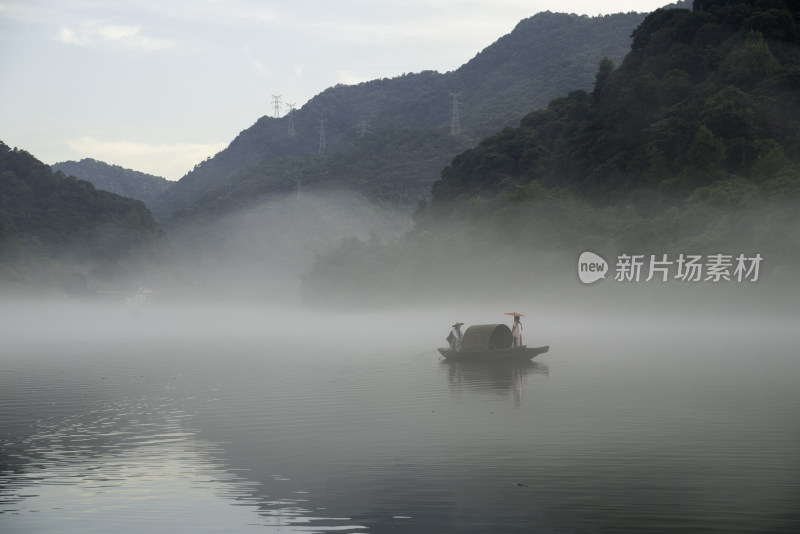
point(455, 337)
point(516, 332)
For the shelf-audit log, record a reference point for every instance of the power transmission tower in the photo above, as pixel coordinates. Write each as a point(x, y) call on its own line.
point(363, 128)
point(291, 119)
point(321, 136)
point(276, 103)
point(455, 123)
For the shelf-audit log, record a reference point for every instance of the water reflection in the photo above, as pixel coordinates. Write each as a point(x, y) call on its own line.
point(145, 437)
point(498, 377)
point(137, 464)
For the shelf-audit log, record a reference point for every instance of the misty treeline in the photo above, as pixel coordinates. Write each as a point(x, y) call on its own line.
point(58, 233)
point(259, 251)
point(691, 145)
point(526, 245)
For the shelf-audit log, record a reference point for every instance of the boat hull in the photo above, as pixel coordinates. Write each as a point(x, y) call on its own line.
point(510, 354)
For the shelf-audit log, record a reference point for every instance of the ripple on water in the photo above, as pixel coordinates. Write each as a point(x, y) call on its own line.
point(87, 462)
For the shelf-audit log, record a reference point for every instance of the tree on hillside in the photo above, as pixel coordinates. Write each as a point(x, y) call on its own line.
point(58, 233)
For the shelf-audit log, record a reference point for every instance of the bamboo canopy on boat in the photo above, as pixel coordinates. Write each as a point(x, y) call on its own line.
point(482, 337)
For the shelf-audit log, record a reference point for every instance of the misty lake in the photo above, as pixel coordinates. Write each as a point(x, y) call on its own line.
point(243, 420)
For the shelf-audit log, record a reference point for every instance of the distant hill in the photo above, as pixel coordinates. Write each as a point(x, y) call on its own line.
point(389, 138)
point(116, 179)
point(61, 234)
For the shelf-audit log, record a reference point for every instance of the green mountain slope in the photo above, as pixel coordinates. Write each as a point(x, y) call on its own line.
point(115, 179)
point(60, 234)
point(701, 96)
point(689, 147)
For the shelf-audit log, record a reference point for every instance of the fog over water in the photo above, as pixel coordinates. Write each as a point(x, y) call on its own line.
point(260, 251)
point(209, 417)
point(225, 402)
point(230, 404)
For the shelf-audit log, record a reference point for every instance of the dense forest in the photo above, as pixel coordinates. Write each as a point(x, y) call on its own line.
point(116, 179)
point(60, 235)
point(701, 96)
point(691, 144)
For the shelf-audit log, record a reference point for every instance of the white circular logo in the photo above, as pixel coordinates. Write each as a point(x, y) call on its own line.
point(591, 267)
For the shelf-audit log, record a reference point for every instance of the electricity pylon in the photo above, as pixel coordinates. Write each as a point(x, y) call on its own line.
point(276, 103)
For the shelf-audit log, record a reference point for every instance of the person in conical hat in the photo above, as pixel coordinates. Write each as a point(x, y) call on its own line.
point(455, 337)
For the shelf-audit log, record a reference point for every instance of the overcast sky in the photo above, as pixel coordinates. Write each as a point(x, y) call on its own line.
point(159, 85)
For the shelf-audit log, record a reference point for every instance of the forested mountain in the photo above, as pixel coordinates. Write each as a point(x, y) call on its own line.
point(691, 145)
point(388, 139)
point(60, 234)
point(115, 179)
point(702, 96)
point(251, 219)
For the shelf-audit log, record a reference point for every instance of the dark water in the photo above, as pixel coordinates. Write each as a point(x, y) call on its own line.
point(272, 426)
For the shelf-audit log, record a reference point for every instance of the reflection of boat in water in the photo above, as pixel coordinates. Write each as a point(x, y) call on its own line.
point(498, 376)
point(501, 372)
point(491, 342)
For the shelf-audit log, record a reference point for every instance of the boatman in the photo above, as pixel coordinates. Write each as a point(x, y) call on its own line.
point(516, 332)
point(455, 337)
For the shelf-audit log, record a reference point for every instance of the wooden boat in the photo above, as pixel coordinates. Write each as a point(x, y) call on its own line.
point(491, 342)
point(509, 354)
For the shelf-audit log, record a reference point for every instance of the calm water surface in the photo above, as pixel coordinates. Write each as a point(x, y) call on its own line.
point(688, 426)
